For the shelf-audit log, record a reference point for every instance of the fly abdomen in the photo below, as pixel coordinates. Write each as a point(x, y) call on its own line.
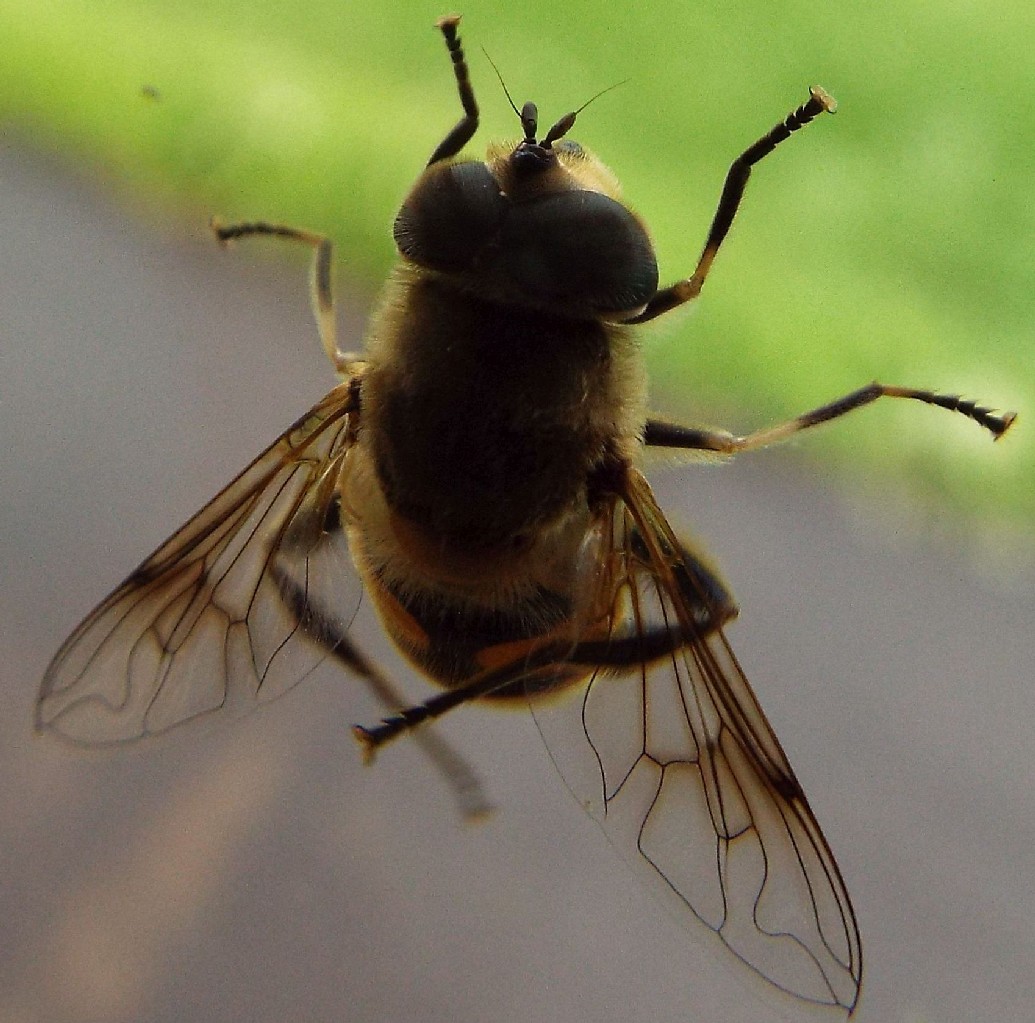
point(452, 641)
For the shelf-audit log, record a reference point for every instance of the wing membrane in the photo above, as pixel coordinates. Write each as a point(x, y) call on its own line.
point(203, 622)
point(675, 758)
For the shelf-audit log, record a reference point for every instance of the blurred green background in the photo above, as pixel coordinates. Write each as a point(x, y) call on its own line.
point(891, 242)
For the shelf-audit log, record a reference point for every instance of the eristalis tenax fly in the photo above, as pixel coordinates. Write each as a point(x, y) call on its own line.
point(477, 468)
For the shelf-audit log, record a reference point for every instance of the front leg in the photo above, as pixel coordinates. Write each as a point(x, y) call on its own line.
point(732, 192)
point(464, 130)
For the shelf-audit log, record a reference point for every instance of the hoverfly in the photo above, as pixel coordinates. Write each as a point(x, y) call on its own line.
point(477, 469)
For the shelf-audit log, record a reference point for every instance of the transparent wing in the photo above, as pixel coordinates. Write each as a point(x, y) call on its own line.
point(213, 617)
point(674, 756)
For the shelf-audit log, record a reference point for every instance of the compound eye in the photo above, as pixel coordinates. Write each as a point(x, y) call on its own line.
point(453, 211)
point(579, 251)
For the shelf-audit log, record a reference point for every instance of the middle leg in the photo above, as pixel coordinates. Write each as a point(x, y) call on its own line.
point(319, 281)
point(658, 433)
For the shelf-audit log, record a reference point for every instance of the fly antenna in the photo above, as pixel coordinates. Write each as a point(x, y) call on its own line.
point(528, 114)
point(567, 122)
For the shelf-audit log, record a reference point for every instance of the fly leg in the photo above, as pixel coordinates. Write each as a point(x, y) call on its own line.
point(729, 201)
point(671, 435)
point(463, 131)
point(328, 634)
point(544, 663)
point(319, 281)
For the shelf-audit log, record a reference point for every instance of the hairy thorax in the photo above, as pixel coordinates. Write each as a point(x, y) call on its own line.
point(484, 421)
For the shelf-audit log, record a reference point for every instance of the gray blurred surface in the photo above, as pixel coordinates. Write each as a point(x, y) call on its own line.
point(258, 872)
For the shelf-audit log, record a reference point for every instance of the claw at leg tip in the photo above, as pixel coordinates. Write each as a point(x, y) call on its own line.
point(824, 98)
point(216, 225)
point(366, 742)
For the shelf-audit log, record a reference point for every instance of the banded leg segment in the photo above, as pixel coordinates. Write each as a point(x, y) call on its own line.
point(463, 131)
point(591, 655)
point(729, 201)
point(671, 435)
point(458, 774)
point(320, 294)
